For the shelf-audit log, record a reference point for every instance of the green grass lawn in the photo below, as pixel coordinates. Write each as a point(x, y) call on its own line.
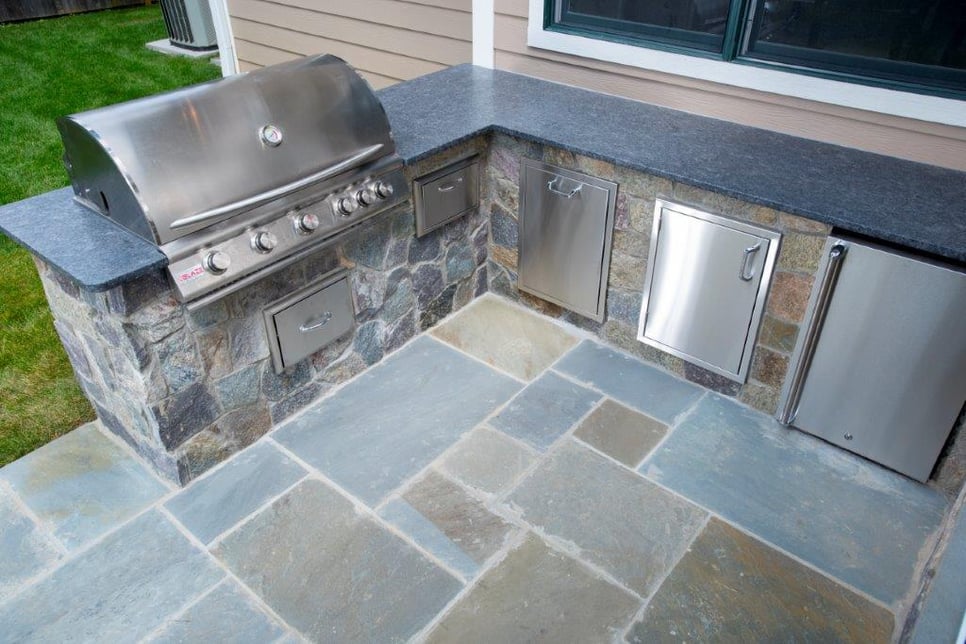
point(49, 68)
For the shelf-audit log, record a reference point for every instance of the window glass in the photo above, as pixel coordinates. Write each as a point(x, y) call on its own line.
point(694, 23)
point(912, 40)
point(917, 45)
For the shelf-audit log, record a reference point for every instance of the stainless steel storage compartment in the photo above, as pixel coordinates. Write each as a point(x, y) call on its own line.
point(566, 223)
point(309, 319)
point(444, 195)
point(707, 278)
point(880, 366)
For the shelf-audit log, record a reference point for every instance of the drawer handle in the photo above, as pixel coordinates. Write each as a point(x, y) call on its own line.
point(318, 323)
point(449, 186)
point(747, 272)
point(566, 195)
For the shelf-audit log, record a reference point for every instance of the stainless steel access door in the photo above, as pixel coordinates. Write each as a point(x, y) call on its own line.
point(880, 368)
point(707, 277)
point(566, 219)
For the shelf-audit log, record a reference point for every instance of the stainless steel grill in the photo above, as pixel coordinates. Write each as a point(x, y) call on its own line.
point(235, 178)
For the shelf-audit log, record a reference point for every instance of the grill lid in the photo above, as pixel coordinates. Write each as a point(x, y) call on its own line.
point(169, 165)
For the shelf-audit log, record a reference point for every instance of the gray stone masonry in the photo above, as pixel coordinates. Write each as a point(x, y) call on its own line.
point(188, 389)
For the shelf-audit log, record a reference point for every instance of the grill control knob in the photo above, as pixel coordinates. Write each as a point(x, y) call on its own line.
point(216, 262)
point(264, 242)
point(306, 223)
point(346, 206)
point(366, 197)
point(383, 190)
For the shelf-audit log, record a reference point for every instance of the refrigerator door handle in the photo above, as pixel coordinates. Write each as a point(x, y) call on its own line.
point(836, 256)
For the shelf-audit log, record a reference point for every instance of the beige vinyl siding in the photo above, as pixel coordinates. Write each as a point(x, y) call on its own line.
point(907, 138)
point(385, 40)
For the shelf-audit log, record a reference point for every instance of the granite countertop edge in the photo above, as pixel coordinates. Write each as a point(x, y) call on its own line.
point(855, 191)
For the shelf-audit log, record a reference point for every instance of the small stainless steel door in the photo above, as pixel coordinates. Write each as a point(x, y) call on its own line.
point(566, 219)
point(446, 194)
point(885, 375)
point(300, 324)
point(706, 282)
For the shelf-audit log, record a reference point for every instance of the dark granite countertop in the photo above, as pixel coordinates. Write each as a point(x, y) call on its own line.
point(92, 250)
point(911, 204)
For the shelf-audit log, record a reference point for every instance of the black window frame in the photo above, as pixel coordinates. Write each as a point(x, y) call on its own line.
point(739, 45)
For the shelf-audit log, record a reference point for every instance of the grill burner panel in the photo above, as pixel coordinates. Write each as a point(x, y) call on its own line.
point(291, 231)
point(236, 178)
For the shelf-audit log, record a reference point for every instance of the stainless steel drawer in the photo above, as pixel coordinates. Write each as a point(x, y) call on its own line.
point(707, 277)
point(566, 223)
point(309, 319)
point(446, 194)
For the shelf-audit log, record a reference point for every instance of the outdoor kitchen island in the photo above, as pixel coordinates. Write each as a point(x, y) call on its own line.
point(188, 388)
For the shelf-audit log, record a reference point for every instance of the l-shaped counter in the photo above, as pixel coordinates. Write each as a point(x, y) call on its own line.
point(912, 205)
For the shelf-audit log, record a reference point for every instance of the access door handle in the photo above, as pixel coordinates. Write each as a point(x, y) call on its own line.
point(317, 323)
point(448, 187)
point(562, 193)
point(747, 271)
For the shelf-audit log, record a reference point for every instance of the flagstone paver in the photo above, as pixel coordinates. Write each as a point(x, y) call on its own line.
point(620, 432)
point(487, 460)
point(730, 587)
point(628, 526)
point(117, 591)
point(464, 519)
point(226, 614)
point(213, 504)
point(525, 345)
point(82, 485)
point(392, 421)
point(537, 595)
point(632, 382)
point(860, 522)
point(545, 410)
point(24, 549)
point(332, 572)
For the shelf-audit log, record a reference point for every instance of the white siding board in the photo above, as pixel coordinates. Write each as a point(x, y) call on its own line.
point(511, 8)
point(405, 15)
point(254, 55)
point(439, 49)
point(387, 64)
point(457, 5)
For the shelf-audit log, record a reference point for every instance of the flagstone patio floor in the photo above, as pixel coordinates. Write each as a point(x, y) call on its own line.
point(501, 478)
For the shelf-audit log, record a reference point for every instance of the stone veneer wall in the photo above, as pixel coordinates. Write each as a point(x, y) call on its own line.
point(798, 260)
point(187, 389)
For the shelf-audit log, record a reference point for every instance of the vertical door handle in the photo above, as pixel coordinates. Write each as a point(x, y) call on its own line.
point(747, 271)
point(789, 411)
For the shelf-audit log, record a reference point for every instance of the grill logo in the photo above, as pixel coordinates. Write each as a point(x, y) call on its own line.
point(191, 274)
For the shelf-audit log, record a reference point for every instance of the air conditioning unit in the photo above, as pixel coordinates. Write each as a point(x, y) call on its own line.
point(190, 24)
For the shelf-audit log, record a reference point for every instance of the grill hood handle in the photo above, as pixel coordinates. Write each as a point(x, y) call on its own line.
point(280, 191)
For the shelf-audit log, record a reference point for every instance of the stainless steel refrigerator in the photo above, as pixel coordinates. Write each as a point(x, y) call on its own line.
point(880, 365)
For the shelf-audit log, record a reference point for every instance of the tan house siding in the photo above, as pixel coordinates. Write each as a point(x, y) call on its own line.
point(907, 138)
point(385, 40)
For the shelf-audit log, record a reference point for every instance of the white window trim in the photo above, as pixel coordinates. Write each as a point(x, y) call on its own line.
point(933, 109)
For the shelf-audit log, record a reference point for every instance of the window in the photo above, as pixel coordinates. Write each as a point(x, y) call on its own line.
point(911, 45)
